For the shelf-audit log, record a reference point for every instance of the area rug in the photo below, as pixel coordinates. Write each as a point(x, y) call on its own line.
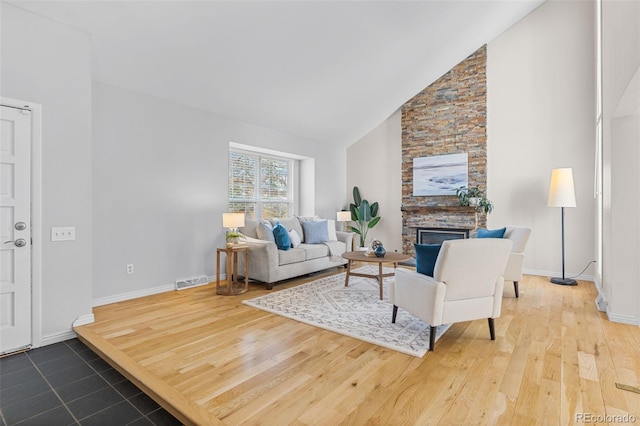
point(355, 311)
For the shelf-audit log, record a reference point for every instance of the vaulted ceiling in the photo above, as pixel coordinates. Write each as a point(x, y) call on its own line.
point(329, 71)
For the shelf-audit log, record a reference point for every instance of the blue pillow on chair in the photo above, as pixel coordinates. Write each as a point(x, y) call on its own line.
point(491, 233)
point(426, 256)
point(281, 235)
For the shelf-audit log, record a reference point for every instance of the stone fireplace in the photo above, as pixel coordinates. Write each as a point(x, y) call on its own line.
point(447, 117)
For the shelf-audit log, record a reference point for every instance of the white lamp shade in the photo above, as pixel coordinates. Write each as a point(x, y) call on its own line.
point(561, 189)
point(343, 216)
point(232, 220)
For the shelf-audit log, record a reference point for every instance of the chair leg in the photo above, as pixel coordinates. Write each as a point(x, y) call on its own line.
point(515, 287)
point(432, 338)
point(395, 312)
point(492, 329)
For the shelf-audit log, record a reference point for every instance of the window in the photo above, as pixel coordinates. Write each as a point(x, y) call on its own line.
point(599, 148)
point(261, 186)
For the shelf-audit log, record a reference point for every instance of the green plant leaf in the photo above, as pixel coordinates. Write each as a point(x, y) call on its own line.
point(354, 229)
point(374, 209)
point(356, 212)
point(353, 208)
point(474, 193)
point(374, 222)
point(365, 211)
point(356, 196)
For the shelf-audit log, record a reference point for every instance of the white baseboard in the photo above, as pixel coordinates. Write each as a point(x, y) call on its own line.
point(623, 319)
point(132, 295)
point(84, 320)
point(543, 273)
point(66, 335)
point(141, 293)
point(57, 338)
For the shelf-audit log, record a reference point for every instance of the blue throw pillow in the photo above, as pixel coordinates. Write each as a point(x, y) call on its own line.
point(315, 232)
point(281, 235)
point(491, 233)
point(426, 256)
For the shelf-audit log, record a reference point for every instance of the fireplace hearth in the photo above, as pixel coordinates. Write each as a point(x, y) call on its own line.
point(439, 235)
point(435, 224)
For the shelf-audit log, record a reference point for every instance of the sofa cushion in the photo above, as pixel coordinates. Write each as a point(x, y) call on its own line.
point(314, 251)
point(293, 255)
point(491, 233)
point(331, 229)
point(249, 228)
point(265, 231)
point(426, 256)
point(295, 238)
point(331, 225)
point(281, 235)
point(315, 232)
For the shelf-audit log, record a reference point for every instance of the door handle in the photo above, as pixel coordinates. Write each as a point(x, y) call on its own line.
point(20, 242)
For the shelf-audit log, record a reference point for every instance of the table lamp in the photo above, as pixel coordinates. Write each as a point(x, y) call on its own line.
point(232, 221)
point(343, 216)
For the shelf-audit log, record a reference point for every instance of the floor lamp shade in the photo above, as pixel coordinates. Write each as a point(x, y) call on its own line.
point(562, 194)
point(561, 190)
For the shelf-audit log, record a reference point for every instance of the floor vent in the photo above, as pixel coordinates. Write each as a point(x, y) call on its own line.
point(191, 282)
point(601, 303)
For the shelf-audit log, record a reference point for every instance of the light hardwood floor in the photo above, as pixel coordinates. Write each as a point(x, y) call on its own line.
point(209, 359)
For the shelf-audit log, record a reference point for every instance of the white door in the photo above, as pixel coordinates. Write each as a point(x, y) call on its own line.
point(15, 229)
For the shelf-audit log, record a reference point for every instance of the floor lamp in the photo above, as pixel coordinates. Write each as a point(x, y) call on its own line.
point(562, 194)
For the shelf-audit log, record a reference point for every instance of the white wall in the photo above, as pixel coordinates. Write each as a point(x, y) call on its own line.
point(541, 99)
point(374, 165)
point(160, 187)
point(621, 136)
point(541, 113)
point(50, 64)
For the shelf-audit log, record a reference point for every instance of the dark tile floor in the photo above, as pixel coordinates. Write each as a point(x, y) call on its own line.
point(68, 384)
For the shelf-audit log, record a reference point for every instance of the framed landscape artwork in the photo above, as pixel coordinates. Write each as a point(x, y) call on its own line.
point(440, 174)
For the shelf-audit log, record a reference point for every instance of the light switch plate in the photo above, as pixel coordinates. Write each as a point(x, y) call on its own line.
point(63, 233)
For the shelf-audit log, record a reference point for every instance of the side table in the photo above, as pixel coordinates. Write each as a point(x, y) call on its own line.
point(233, 286)
point(359, 256)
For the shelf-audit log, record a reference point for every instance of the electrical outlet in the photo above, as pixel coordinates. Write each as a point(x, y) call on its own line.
point(130, 269)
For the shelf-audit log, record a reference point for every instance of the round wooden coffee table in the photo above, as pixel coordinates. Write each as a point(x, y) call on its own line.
point(359, 256)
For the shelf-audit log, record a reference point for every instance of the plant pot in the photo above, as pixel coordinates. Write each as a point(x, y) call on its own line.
point(474, 201)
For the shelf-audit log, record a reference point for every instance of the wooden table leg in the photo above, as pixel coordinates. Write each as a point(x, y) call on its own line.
point(235, 271)
point(217, 271)
point(380, 278)
point(230, 276)
point(246, 270)
point(346, 280)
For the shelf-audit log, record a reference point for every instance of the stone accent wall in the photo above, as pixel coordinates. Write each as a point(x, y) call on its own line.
point(447, 117)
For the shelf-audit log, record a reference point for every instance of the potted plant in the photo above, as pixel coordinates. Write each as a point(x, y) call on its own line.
point(474, 197)
point(364, 214)
point(233, 237)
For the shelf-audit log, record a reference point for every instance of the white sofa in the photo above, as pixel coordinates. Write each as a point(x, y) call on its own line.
point(268, 264)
